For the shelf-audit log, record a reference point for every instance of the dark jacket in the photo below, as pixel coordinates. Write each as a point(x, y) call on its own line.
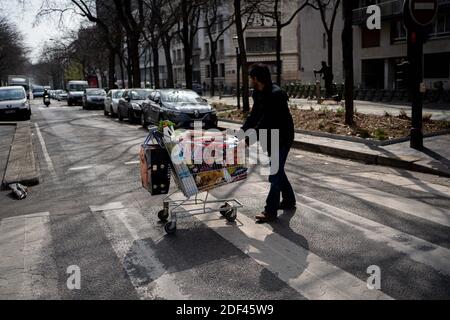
point(271, 111)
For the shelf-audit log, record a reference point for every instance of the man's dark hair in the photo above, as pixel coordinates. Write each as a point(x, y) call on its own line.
point(261, 72)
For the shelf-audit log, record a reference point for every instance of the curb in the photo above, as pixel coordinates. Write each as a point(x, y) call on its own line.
point(21, 166)
point(368, 158)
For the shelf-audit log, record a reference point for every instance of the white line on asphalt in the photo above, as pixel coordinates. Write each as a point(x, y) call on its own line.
point(27, 268)
point(108, 206)
point(47, 158)
point(408, 183)
point(132, 162)
point(307, 273)
point(415, 248)
point(406, 205)
point(81, 168)
point(129, 233)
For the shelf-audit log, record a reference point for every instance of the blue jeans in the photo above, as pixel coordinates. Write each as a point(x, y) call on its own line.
point(280, 185)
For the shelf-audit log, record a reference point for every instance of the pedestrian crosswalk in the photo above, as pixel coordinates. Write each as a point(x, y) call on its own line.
point(29, 269)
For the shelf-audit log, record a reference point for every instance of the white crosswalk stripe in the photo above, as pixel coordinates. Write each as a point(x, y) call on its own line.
point(127, 229)
point(307, 273)
point(406, 205)
point(27, 269)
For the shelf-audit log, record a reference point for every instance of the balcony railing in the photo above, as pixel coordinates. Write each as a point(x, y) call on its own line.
point(389, 9)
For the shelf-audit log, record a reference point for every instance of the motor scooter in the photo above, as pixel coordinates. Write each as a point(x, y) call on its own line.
point(47, 100)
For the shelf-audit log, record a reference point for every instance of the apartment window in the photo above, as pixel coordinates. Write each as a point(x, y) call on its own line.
point(261, 44)
point(398, 31)
point(437, 65)
point(221, 48)
point(207, 50)
point(370, 38)
point(222, 70)
point(441, 26)
point(208, 71)
point(220, 23)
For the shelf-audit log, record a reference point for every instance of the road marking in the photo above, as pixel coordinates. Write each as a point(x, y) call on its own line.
point(81, 168)
point(27, 269)
point(406, 205)
point(129, 233)
point(433, 256)
point(132, 162)
point(305, 272)
point(408, 183)
point(47, 158)
point(108, 206)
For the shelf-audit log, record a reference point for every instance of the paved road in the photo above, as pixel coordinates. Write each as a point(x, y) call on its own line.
point(90, 212)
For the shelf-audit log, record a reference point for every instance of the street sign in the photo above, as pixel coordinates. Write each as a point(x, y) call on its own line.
point(422, 13)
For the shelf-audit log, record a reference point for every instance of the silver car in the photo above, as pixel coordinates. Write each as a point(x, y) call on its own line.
point(14, 103)
point(112, 102)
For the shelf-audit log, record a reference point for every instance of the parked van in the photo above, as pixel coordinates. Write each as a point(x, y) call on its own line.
point(75, 92)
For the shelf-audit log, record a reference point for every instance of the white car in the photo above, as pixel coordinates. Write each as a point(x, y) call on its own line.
point(14, 103)
point(112, 102)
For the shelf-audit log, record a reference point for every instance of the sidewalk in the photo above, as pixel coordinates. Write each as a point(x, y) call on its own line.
point(365, 107)
point(434, 159)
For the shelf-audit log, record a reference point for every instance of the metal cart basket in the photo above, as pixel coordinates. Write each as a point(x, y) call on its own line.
point(192, 203)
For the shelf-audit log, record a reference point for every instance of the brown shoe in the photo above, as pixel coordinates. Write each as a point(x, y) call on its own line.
point(265, 217)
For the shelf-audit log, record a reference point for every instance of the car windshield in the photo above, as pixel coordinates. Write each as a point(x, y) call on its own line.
point(96, 93)
point(37, 89)
point(140, 94)
point(12, 94)
point(181, 97)
point(77, 87)
point(117, 94)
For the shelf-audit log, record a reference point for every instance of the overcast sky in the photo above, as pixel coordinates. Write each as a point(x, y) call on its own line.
point(24, 17)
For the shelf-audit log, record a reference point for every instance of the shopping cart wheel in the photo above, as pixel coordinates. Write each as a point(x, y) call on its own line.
point(163, 215)
point(170, 227)
point(225, 209)
point(231, 215)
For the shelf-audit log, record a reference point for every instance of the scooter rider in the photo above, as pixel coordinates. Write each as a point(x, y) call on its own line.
point(46, 98)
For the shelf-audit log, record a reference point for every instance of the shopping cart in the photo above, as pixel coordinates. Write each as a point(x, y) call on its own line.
point(188, 181)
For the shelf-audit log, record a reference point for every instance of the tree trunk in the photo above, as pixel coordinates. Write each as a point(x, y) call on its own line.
point(133, 51)
point(129, 74)
point(330, 49)
point(169, 63)
point(347, 49)
point(155, 51)
point(242, 56)
point(278, 49)
point(212, 63)
point(187, 45)
point(122, 73)
point(111, 69)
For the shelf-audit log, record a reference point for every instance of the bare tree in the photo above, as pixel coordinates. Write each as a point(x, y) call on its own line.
point(131, 16)
point(215, 25)
point(273, 9)
point(328, 23)
point(13, 54)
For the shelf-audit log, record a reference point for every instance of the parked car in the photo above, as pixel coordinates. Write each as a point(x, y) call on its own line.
point(112, 102)
point(94, 98)
point(14, 103)
point(182, 107)
point(75, 91)
point(61, 95)
point(130, 105)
